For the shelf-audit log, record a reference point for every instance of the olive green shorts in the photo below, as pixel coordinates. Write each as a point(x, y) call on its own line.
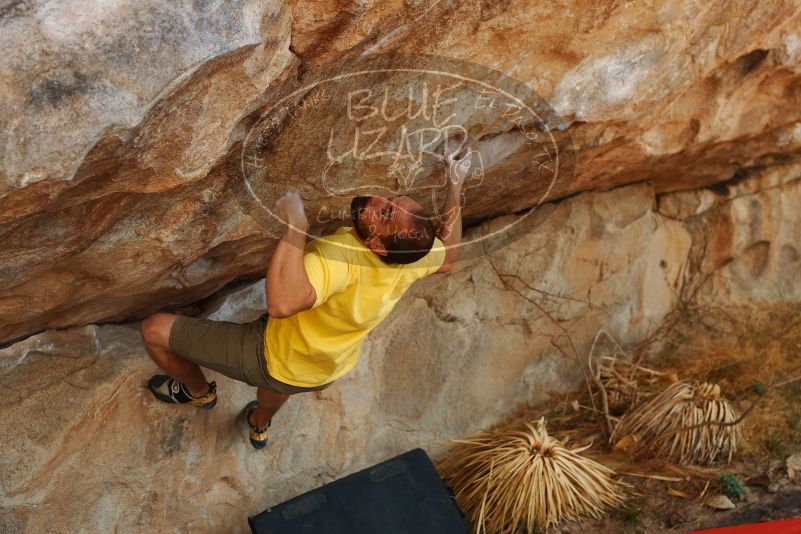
point(232, 349)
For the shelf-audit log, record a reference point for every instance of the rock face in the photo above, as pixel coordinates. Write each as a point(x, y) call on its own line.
point(123, 126)
point(117, 121)
point(458, 351)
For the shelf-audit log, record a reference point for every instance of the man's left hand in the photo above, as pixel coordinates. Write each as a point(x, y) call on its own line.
point(289, 208)
point(458, 169)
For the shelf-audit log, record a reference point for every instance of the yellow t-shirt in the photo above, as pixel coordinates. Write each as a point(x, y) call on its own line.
point(355, 292)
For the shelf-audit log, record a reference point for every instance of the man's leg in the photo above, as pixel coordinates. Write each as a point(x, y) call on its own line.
point(269, 403)
point(155, 331)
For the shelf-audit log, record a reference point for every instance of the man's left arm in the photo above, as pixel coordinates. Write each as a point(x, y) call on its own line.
point(288, 288)
point(450, 230)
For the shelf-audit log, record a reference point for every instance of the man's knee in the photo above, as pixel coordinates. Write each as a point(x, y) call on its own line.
point(155, 330)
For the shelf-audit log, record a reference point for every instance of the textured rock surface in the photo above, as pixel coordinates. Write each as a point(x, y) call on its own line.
point(458, 351)
point(119, 122)
point(116, 118)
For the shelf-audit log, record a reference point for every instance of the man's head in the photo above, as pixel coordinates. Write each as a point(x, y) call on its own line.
point(396, 228)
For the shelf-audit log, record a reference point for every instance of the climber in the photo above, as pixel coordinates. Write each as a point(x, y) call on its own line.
point(322, 299)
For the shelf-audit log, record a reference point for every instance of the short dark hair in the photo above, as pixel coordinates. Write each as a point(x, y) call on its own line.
point(408, 247)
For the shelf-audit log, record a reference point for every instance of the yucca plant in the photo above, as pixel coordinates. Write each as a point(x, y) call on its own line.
point(525, 479)
point(625, 382)
point(687, 423)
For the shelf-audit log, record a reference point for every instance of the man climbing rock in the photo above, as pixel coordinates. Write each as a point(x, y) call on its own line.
point(322, 299)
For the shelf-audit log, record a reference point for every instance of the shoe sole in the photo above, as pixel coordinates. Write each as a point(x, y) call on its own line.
point(257, 444)
point(206, 406)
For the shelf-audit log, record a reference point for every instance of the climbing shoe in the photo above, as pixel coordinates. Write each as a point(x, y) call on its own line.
point(258, 436)
point(169, 390)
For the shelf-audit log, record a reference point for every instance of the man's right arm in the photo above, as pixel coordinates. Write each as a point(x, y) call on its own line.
point(288, 287)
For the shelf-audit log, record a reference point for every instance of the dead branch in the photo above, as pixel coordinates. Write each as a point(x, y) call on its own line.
point(553, 320)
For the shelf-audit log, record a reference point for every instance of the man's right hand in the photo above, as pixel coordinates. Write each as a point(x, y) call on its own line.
point(289, 208)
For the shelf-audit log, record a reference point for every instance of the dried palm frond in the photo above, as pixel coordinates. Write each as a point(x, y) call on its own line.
point(507, 480)
point(622, 393)
point(625, 382)
point(687, 423)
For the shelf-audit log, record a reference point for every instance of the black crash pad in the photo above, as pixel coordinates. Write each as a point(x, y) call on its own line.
point(402, 495)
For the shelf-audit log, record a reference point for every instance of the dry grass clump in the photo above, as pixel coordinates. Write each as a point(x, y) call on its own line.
point(524, 478)
point(622, 391)
point(627, 383)
point(688, 423)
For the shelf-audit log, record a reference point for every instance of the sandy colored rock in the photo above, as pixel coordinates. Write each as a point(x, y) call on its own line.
point(121, 128)
point(117, 122)
point(794, 467)
point(746, 232)
point(720, 502)
point(457, 352)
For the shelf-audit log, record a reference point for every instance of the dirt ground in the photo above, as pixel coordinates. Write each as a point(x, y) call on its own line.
point(754, 355)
